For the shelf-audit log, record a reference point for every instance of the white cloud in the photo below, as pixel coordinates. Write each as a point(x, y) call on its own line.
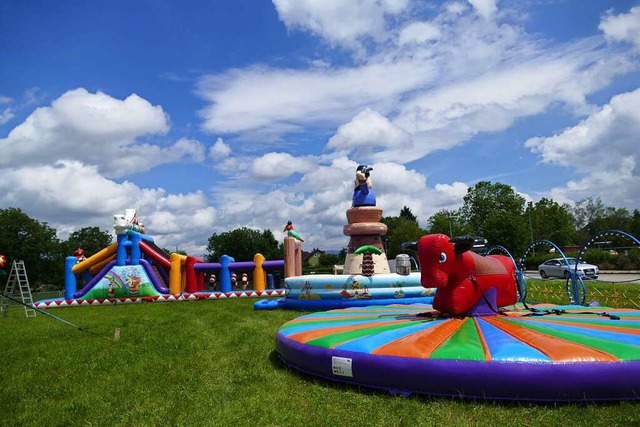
point(455, 7)
point(608, 135)
point(485, 8)
point(340, 22)
point(272, 166)
point(419, 32)
point(219, 150)
point(5, 100)
point(604, 147)
point(186, 149)
point(368, 130)
point(433, 81)
point(431, 85)
point(618, 187)
point(266, 98)
point(6, 115)
point(317, 203)
point(99, 130)
point(71, 196)
point(429, 96)
point(623, 27)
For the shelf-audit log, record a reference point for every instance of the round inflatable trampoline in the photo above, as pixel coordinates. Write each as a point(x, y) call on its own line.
point(546, 353)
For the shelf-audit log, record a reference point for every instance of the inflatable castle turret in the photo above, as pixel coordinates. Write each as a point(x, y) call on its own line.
point(365, 252)
point(292, 251)
point(366, 278)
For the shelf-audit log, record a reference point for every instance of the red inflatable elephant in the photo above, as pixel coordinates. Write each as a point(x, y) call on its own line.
point(462, 277)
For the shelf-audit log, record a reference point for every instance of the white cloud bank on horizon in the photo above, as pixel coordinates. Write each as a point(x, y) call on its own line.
point(59, 163)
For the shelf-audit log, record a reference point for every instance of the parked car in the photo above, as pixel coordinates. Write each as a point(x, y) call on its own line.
point(557, 267)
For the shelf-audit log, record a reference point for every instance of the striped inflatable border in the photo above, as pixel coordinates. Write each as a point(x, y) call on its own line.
point(160, 298)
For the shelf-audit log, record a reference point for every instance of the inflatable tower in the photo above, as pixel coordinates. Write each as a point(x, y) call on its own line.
point(365, 229)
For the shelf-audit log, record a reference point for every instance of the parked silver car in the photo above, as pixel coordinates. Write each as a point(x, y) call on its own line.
point(557, 267)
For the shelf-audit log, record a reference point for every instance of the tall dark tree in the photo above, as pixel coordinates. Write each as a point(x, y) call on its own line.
point(242, 244)
point(406, 213)
point(634, 224)
point(328, 260)
point(90, 239)
point(35, 243)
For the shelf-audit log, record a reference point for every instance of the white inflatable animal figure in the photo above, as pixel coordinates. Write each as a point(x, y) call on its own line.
point(128, 221)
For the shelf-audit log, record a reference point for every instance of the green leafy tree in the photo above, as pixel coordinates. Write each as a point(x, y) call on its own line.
point(591, 216)
point(495, 212)
point(91, 239)
point(585, 213)
point(551, 221)
point(448, 222)
point(400, 229)
point(328, 260)
point(614, 219)
point(634, 224)
point(406, 213)
point(242, 244)
point(441, 223)
point(35, 243)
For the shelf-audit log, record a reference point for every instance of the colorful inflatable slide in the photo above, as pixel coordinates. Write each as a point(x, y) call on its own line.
point(135, 269)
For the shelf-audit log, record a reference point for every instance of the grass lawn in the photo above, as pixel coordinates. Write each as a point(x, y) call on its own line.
point(212, 363)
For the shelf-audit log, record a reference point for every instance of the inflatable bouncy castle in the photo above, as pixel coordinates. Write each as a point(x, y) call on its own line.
point(135, 269)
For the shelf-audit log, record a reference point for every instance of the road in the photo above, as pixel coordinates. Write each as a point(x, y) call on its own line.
point(619, 277)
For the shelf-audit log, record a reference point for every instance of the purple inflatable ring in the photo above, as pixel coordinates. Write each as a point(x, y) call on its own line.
point(548, 353)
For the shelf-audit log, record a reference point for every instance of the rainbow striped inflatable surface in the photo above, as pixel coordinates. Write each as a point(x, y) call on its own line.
point(546, 352)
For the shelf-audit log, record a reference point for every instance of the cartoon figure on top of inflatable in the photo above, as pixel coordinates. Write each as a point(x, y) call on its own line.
point(128, 221)
point(290, 232)
point(363, 194)
point(79, 254)
point(463, 278)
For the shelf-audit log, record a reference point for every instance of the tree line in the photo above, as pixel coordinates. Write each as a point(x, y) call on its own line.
point(498, 213)
point(35, 243)
point(490, 210)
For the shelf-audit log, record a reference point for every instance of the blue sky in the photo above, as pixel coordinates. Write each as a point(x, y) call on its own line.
point(208, 116)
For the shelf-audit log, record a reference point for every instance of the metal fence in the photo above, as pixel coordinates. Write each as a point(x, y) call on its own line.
point(37, 296)
point(617, 295)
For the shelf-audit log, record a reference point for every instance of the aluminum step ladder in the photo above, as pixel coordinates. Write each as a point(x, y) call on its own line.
point(18, 288)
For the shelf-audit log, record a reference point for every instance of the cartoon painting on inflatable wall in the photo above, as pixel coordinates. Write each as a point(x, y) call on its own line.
point(121, 282)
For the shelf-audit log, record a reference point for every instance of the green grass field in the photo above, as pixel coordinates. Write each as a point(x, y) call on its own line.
point(212, 363)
